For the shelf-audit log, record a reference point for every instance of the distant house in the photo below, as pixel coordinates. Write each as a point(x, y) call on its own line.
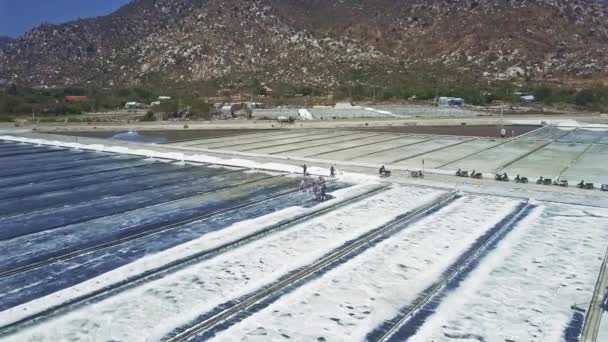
point(228, 110)
point(445, 101)
point(162, 98)
point(254, 105)
point(343, 105)
point(286, 119)
point(527, 98)
point(73, 98)
point(305, 114)
point(267, 90)
point(134, 105)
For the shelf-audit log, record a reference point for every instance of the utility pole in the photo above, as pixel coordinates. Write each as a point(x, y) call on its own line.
point(503, 131)
point(501, 114)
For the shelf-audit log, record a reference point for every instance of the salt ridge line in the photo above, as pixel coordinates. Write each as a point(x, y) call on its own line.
point(112, 186)
point(310, 143)
point(24, 191)
point(47, 219)
point(58, 276)
point(4, 144)
point(271, 167)
point(240, 140)
point(99, 191)
point(258, 144)
point(53, 159)
point(22, 148)
point(171, 225)
point(236, 144)
point(58, 241)
point(417, 313)
point(17, 147)
point(365, 290)
point(155, 266)
point(64, 161)
point(63, 174)
point(230, 137)
point(182, 295)
point(46, 165)
point(32, 151)
point(233, 162)
point(136, 229)
point(51, 153)
point(386, 139)
point(302, 275)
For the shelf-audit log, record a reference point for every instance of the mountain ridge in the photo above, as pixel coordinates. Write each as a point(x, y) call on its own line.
point(316, 42)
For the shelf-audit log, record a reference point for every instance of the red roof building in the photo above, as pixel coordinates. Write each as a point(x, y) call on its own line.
point(71, 98)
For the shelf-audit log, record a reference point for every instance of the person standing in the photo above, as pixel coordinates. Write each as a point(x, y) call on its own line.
point(304, 167)
point(605, 301)
point(332, 172)
point(323, 191)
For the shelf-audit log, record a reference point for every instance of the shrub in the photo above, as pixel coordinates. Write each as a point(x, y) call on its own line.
point(149, 116)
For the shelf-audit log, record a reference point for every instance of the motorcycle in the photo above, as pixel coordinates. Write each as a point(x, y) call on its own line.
point(385, 174)
point(563, 183)
point(519, 179)
point(477, 175)
point(501, 178)
point(417, 174)
point(461, 173)
point(586, 186)
point(544, 181)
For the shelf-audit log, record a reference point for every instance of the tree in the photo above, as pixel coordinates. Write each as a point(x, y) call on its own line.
point(584, 97)
point(310, 91)
point(167, 106)
point(200, 108)
point(544, 94)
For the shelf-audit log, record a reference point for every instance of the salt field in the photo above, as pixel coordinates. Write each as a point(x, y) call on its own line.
point(173, 242)
point(504, 290)
point(357, 296)
point(564, 152)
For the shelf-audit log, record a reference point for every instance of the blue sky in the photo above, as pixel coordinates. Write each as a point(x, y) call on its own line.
point(19, 16)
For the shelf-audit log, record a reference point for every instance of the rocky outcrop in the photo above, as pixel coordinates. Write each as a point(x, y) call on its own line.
point(314, 42)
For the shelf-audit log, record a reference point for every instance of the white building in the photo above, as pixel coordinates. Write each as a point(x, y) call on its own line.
point(134, 105)
point(343, 105)
point(527, 98)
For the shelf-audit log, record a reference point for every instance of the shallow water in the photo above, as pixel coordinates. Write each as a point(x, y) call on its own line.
point(160, 136)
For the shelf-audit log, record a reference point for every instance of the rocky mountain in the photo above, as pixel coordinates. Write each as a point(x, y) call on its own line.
point(316, 41)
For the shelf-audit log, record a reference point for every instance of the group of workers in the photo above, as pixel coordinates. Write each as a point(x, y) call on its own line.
point(318, 186)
